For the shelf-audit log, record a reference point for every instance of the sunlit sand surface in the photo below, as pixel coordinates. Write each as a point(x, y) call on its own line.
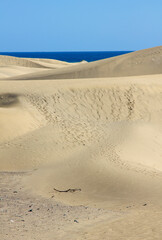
point(81, 148)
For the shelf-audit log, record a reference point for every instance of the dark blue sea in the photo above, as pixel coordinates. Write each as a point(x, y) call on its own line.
point(67, 56)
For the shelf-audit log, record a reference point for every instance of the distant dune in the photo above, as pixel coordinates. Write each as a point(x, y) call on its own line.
point(13, 66)
point(143, 62)
point(31, 62)
point(93, 138)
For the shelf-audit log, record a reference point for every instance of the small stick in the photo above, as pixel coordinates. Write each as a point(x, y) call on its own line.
point(68, 190)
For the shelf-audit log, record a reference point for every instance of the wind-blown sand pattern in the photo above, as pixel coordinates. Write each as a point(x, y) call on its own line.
point(81, 148)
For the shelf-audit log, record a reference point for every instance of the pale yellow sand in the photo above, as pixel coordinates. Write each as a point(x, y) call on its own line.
point(13, 66)
point(143, 62)
point(94, 142)
point(32, 62)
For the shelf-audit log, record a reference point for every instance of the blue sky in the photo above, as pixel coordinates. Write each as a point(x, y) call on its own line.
point(79, 25)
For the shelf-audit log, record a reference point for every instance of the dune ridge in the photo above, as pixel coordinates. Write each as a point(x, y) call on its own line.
point(13, 66)
point(23, 62)
point(143, 62)
point(31, 62)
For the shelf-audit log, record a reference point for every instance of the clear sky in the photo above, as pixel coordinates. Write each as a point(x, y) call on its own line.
point(79, 25)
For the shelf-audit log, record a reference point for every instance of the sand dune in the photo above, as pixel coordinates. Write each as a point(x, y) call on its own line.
point(13, 66)
point(92, 142)
point(13, 70)
point(143, 62)
point(31, 62)
point(23, 62)
point(93, 128)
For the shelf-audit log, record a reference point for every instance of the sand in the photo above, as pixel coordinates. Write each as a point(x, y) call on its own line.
point(143, 62)
point(81, 148)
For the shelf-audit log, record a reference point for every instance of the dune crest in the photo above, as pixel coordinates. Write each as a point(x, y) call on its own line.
point(143, 62)
point(13, 66)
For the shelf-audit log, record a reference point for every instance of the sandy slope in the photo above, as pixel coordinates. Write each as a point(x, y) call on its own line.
point(13, 66)
point(32, 62)
point(92, 142)
point(143, 62)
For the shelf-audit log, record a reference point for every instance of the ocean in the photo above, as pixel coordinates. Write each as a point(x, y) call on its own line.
point(67, 56)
